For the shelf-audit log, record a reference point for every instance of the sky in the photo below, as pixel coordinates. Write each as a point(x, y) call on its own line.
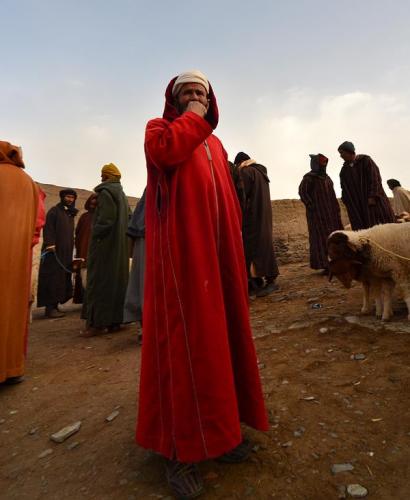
point(81, 78)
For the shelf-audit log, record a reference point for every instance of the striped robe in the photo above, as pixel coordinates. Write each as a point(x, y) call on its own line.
point(322, 214)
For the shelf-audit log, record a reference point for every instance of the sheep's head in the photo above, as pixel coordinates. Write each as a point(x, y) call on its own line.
point(345, 270)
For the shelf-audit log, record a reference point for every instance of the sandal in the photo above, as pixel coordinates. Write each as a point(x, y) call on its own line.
point(184, 480)
point(238, 454)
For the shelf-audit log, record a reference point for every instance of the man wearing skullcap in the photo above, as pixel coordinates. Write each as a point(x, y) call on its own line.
point(199, 374)
point(54, 279)
point(107, 261)
point(256, 225)
point(322, 210)
point(22, 216)
point(401, 197)
point(362, 190)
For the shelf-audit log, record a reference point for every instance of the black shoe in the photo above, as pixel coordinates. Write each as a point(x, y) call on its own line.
point(267, 289)
point(14, 380)
point(238, 454)
point(184, 480)
point(54, 313)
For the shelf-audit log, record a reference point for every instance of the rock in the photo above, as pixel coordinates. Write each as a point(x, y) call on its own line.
point(13, 412)
point(341, 491)
point(66, 432)
point(299, 324)
point(336, 468)
point(45, 453)
point(299, 432)
point(287, 444)
point(357, 491)
point(2, 420)
point(73, 445)
point(359, 357)
point(323, 330)
point(353, 320)
point(112, 416)
point(33, 431)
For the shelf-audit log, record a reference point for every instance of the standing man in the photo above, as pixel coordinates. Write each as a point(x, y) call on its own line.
point(257, 226)
point(362, 190)
point(134, 298)
point(54, 279)
point(82, 242)
point(401, 197)
point(107, 263)
point(199, 375)
point(322, 210)
point(20, 225)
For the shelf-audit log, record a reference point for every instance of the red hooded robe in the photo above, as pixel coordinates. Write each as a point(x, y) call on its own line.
point(199, 374)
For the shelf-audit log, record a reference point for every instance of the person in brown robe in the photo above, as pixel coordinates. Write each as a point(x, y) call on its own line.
point(82, 242)
point(256, 207)
point(362, 190)
point(322, 210)
point(19, 225)
point(54, 278)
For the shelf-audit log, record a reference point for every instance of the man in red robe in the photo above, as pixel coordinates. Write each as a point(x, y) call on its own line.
point(199, 374)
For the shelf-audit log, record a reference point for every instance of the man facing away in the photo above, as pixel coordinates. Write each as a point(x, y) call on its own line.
point(401, 197)
point(107, 262)
point(322, 210)
point(256, 225)
point(199, 374)
point(362, 190)
point(54, 279)
point(21, 206)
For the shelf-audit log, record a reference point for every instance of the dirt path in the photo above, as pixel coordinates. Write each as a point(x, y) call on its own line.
point(325, 408)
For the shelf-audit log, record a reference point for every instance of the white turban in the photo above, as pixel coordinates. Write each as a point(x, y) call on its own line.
point(194, 76)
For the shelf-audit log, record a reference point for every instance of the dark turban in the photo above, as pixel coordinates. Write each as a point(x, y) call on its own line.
point(64, 192)
point(240, 157)
point(347, 146)
point(318, 163)
point(393, 183)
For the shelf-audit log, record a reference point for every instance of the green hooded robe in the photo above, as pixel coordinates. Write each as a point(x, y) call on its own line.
point(107, 262)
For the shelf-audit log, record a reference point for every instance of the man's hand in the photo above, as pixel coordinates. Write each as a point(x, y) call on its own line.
point(371, 202)
point(197, 108)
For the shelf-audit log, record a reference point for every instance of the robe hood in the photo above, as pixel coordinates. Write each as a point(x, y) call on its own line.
point(10, 154)
point(171, 112)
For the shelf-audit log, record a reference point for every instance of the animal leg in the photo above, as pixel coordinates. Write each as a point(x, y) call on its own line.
point(366, 309)
point(387, 293)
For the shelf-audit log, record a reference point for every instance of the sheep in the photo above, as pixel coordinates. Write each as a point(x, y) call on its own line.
point(379, 257)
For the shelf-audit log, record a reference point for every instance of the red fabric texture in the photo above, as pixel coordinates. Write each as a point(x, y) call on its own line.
point(199, 374)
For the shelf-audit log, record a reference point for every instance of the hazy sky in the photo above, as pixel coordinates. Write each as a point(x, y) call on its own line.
point(80, 79)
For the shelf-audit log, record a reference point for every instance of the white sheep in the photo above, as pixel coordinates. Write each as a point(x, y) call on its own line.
point(379, 257)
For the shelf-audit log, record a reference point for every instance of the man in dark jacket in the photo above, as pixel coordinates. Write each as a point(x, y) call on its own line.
point(362, 190)
point(107, 263)
point(54, 280)
point(257, 225)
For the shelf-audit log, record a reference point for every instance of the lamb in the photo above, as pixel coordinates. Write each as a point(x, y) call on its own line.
point(379, 257)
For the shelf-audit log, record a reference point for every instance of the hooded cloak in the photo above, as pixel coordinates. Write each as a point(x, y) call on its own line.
point(199, 375)
point(322, 209)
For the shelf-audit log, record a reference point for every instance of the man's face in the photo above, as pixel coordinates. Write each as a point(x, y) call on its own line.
point(348, 157)
point(191, 92)
point(68, 199)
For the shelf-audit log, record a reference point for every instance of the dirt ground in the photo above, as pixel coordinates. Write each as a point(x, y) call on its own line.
point(325, 406)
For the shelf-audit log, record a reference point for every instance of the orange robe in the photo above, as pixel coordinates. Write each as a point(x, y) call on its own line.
point(19, 202)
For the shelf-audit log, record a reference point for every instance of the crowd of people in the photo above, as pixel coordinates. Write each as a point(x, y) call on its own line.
point(201, 243)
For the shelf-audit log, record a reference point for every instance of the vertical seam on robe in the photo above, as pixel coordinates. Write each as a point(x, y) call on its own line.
point(185, 335)
point(211, 166)
point(167, 333)
point(157, 342)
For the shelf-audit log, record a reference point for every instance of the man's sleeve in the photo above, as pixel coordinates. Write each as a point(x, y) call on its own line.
point(375, 185)
point(305, 189)
point(49, 231)
point(106, 215)
point(168, 144)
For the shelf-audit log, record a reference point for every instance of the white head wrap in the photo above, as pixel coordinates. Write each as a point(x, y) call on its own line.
point(194, 76)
